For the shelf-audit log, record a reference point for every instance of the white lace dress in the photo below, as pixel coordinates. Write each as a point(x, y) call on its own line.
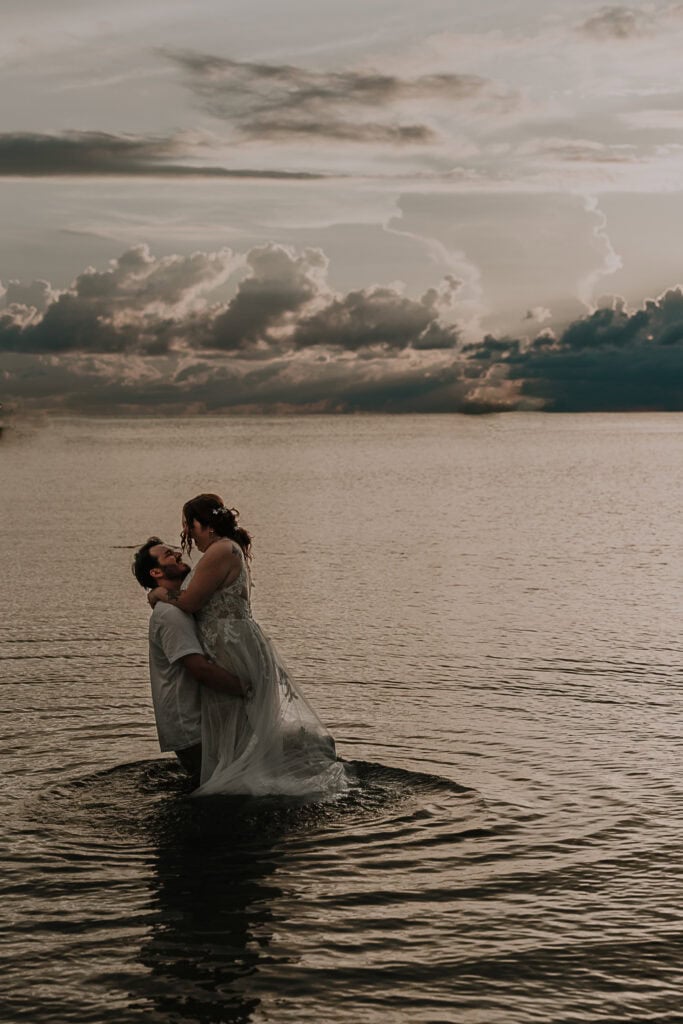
point(270, 742)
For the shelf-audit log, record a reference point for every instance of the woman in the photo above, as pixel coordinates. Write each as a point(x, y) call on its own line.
point(272, 741)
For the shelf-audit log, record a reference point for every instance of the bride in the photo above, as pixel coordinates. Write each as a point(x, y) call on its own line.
point(271, 741)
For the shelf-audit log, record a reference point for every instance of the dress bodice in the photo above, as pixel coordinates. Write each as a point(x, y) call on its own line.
point(229, 602)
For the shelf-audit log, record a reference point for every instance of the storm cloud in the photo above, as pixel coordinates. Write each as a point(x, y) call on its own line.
point(106, 384)
point(380, 316)
point(158, 332)
point(279, 286)
point(283, 302)
point(140, 303)
point(612, 360)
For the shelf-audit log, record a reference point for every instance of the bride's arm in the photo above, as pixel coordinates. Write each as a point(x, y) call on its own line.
point(218, 566)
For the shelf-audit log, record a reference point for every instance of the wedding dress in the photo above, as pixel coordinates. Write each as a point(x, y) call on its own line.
point(271, 741)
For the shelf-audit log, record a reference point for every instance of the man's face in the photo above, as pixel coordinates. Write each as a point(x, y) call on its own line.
point(170, 562)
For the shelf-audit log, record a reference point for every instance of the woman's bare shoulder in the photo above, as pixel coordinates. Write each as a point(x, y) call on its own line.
point(224, 550)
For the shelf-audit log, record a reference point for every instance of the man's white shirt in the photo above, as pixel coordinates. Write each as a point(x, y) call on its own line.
point(175, 694)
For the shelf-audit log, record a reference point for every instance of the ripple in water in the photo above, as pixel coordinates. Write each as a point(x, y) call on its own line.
point(207, 910)
point(407, 898)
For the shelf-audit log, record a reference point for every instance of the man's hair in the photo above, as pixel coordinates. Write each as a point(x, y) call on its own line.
point(144, 561)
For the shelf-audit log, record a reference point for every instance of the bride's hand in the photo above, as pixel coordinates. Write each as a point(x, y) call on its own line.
point(158, 594)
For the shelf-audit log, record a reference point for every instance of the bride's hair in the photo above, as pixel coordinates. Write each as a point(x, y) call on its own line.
point(209, 510)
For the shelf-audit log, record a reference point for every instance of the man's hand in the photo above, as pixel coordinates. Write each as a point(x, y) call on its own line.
point(208, 674)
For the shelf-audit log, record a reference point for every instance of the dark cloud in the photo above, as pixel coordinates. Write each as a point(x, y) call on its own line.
point(97, 154)
point(279, 286)
point(377, 317)
point(605, 380)
point(285, 304)
point(222, 385)
point(611, 360)
point(295, 126)
point(492, 349)
point(344, 386)
point(144, 333)
point(282, 101)
point(147, 332)
point(615, 22)
point(142, 304)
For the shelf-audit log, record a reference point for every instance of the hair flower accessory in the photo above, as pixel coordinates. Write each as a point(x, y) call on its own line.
point(220, 511)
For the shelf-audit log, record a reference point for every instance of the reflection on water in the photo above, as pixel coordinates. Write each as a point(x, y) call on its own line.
point(212, 895)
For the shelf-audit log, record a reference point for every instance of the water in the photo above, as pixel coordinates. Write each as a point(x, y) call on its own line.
point(485, 612)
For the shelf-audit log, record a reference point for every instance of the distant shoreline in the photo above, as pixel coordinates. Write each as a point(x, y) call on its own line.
point(22, 416)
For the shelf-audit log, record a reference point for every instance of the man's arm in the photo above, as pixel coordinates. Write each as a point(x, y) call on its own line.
point(208, 674)
point(219, 566)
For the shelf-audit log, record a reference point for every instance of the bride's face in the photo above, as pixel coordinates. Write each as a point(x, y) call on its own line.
point(198, 534)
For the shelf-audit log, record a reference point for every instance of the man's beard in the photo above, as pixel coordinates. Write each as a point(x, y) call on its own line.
point(176, 571)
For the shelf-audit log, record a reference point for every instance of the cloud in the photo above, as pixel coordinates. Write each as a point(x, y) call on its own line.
point(539, 314)
point(148, 333)
point(286, 304)
point(615, 22)
point(380, 316)
point(96, 154)
point(281, 102)
point(569, 150)
point(140, 303)
point(38, 294)
point(145, 333)
point(222, 385)
point(283, 303)
point(611, 260)
point(610, 360)
point(279, 286)
point(655, 119)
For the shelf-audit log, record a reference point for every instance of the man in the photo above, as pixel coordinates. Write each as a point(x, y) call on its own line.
point(176, 659)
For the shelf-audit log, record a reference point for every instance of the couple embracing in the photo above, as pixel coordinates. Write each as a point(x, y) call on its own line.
point(222, 697)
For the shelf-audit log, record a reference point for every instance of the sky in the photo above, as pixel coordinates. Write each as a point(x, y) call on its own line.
point(251, 205)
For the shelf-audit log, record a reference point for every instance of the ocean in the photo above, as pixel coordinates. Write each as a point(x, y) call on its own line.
point(486, 613)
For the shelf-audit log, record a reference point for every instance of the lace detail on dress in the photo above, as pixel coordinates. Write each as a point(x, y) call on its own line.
point(230, 604)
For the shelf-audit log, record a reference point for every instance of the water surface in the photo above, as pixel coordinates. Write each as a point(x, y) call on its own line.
point(485, 612)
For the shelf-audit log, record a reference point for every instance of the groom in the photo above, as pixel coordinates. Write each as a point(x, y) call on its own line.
point(176, 659)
